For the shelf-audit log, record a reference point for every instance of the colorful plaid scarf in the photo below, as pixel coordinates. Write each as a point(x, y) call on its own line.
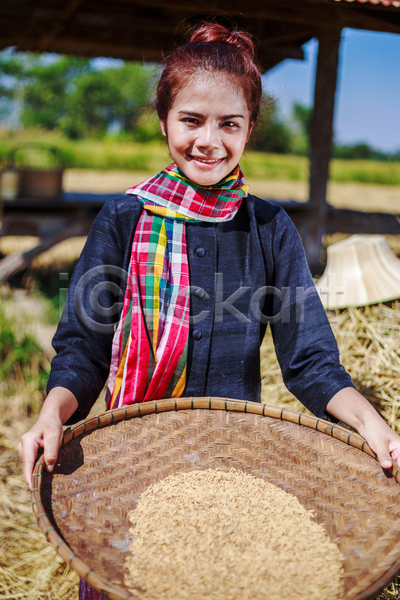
point(149, 351)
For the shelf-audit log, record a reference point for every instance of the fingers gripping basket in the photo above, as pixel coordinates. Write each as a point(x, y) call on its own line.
point(107, 461)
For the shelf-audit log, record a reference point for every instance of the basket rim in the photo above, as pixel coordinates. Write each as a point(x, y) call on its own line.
point(126, 412)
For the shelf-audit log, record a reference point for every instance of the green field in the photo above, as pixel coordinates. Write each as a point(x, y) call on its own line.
point(114, 153)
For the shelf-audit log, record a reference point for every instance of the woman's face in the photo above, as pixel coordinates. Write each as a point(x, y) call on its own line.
point(207, 127)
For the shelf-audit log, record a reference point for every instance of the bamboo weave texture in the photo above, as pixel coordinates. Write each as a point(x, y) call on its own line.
point(106, 461)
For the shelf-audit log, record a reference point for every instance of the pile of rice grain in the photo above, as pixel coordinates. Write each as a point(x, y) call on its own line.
point(228, 536)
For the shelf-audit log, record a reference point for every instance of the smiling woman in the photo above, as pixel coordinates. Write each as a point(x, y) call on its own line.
point(201, 267)
point(208, 101)
point(207, 127)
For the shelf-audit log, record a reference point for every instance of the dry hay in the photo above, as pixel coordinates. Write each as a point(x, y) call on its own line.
point(368, 340)
point(30, 569)
point(369, 346)
point(227, 536)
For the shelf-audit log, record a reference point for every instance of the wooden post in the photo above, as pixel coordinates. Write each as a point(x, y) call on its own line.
point(321, 142)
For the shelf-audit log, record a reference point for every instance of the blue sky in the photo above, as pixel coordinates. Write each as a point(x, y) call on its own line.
point(368, 94)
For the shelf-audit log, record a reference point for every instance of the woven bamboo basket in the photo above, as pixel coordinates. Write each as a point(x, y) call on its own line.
point(107, 461)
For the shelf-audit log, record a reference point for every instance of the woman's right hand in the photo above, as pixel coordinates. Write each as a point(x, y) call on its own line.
point(47, 432)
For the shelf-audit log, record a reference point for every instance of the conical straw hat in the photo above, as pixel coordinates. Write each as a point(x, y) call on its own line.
point(360, 270)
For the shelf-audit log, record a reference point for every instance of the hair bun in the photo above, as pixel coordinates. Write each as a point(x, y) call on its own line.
point(213, 32)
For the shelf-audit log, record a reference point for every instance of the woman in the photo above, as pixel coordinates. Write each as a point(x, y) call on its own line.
point(200, 265)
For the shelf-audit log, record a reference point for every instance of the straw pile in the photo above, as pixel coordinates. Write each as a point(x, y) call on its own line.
point(368, 340)
point(29, 567)
point(31, 570)
point(228, 536)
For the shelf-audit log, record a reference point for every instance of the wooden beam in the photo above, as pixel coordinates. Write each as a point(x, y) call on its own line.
point(13, 263)
point(146, 49)
point(64, 16)
point(93, 28)
point(352, 221)
point(271, 56)
point(133, 22)
point(140, 52)
point(384, 20)
point(278, 10)
point(341, 220)
point(321, 140)
point(290, 38)
point(315, 13)
point(330, 13)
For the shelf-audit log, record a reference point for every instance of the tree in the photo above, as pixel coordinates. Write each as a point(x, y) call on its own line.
point(67, 93)
point(111, 96)
point(91, 106)
point(135, 82)
point(270, 134)
point(13, 73)
point(302, 118)
point(47, 91)
point(360, 151)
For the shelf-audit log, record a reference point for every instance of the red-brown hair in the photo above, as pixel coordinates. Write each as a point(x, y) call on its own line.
point(211, 48)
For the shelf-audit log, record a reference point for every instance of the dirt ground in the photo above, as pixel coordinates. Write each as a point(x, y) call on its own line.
point(356, 196)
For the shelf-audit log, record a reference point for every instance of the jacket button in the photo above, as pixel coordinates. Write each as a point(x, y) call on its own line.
point(200, 252)
point(200, 293)
point(197, 334)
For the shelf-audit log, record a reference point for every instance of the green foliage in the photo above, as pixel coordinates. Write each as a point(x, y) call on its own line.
point(71, 95)
point(12, 65)
point(117, 152)
point(361, 151)
point(270, 134)
point(147, 127)
point(135, 83)
point(303, 117)
point(92, 105)
point(47, 89)
point(125, 154)
point(296, 168)
point(366, 171)
point(18, 348)
point(261, 165)
point(101, 99)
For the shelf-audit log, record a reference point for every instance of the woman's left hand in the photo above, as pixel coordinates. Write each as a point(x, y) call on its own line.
point(381, 439)
point(352, 408)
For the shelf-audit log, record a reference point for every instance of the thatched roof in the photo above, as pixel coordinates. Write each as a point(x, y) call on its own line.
point(147, 29)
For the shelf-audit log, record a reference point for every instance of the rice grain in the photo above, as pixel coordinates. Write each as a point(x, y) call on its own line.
point(228, 536)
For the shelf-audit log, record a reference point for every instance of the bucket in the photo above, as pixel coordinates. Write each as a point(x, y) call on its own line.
point(41, 183)
point(23, 180)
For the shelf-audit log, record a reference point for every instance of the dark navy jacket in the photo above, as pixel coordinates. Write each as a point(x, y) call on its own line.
point(243, 273)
